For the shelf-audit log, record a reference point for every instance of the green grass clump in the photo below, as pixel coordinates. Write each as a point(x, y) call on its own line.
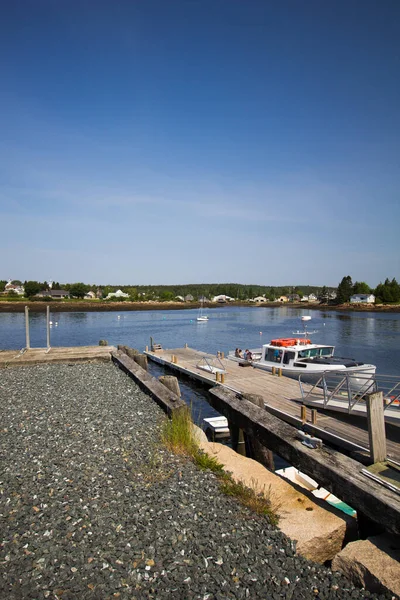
point(206, 462)
point(177, 433)
point(257, 501)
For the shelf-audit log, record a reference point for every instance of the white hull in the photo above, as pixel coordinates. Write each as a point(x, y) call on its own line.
point(359, 375)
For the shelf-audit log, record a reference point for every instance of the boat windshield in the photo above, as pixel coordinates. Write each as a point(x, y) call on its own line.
point(313, 352)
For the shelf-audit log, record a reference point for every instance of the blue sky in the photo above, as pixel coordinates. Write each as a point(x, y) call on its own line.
point(157, 142)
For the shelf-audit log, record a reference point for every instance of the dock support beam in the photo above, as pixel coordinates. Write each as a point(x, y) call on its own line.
point(254, 449)
point(48, 326)
point(28, 339)
point(376, 427)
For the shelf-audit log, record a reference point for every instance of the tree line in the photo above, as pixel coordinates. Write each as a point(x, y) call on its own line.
point(387, 292)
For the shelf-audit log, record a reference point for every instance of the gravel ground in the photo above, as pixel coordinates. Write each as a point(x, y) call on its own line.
point(92, 506)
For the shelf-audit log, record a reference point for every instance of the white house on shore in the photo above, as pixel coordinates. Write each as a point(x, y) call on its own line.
point(362, 299)
point(117, 294)
point(222, 299)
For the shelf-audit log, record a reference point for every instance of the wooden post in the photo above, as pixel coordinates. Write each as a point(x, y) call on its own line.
point(141, 360)
point(222, 377)
point(48, 326)
point(303, 413)
point(216, 375)
point(151, 344)
point(376, 427)
point(222, 354)
point(171, 383)
point(273, 370)
point(314, 416)
point(28, 339)
point(237, 439)
point(147, 348)
point(279, 372)
point(254, 449)
point(186, 345)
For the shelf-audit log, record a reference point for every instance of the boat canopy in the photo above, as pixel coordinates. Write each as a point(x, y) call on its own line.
point(287, 342)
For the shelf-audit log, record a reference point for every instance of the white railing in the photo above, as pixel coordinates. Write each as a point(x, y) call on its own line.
point(351, 388)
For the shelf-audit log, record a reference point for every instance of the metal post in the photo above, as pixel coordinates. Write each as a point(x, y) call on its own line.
point(28, 340)
point(48, 326)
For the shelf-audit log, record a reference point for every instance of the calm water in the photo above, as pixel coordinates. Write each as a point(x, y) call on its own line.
point(370, 337)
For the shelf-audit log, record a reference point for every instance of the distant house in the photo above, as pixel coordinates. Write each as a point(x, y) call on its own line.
point(259, 299)
point(189, 298)
point(222, 299)
point(117, 294)
point(203, 299)
point(283, 299)
point(11, 287)
point(90, 296)
point(293, 298)
point(55, 294)
point(362, 299)
point(309, 298)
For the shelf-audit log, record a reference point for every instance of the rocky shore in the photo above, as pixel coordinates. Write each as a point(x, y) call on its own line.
point(98, 306)
point(93, 506)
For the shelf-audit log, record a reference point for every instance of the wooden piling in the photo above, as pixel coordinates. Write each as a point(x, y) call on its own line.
point(171, 383)
point(279, 372)
point(222, 377)
point(273, 370)
point(237, 439)
point(303, 413)
point(254, 449)
point(376, 427)
point(217, 376)
point(314, 416)
point(141, 360)
point(28, 340)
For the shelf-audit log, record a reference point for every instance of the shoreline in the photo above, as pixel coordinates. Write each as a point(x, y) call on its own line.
point(90, 306)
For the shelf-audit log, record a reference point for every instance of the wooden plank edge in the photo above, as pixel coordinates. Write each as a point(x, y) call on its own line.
point(166, 399)
point(333, 470)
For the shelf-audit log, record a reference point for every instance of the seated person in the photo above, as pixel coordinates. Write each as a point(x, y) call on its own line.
point(237, 353)
point(249, 355)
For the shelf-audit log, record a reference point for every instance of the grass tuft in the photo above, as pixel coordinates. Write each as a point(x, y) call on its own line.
point(206, 462)
point(177, 433)
point(258, 501)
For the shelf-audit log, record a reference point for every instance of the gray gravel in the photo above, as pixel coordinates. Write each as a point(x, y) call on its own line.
point(92, 506)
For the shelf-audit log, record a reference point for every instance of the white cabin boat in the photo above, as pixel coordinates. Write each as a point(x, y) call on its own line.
point(300, 357)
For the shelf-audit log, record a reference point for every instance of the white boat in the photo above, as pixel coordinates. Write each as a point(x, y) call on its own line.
point(200, 316)
point(296, 356)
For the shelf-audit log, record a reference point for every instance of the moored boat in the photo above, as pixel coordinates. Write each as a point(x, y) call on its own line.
point(301, 357)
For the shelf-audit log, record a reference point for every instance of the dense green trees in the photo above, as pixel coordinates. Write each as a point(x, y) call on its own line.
point(78, 290)
point(345, 290)
point(387, 292)
point(32, 288)
point(360, 287)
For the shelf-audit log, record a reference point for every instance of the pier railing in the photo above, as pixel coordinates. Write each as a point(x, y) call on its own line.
point(351, 389)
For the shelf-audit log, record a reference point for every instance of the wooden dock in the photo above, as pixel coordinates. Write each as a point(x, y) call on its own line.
point(281, 395)
point(34, 356)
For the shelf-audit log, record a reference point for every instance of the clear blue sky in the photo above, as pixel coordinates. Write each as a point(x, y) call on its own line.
point(157, 142)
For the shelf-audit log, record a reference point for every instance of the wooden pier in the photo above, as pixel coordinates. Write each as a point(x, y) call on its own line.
point(34, 356)
point(281, 395)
